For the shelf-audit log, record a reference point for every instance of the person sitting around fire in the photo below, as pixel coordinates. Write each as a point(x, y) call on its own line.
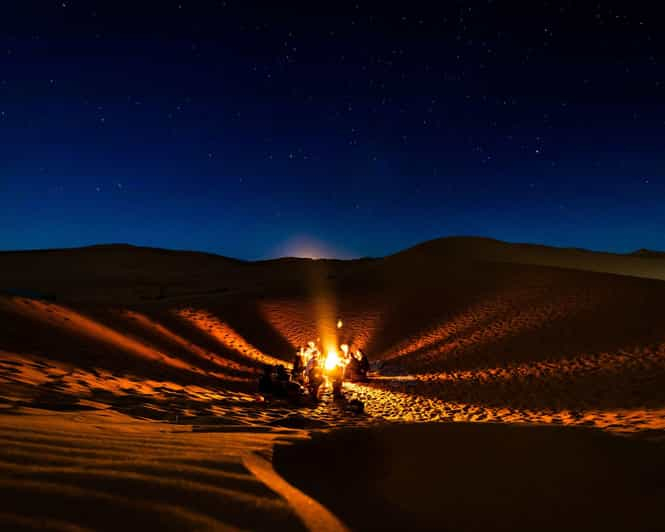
point(314, 373)
point(336, 375)
point(281, 381)
point(352, 369)
point(363, 363)
point(312, 363)
point(298, 367)
point(265, 380)
point(357, 367)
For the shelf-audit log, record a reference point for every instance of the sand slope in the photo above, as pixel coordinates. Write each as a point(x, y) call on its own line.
point(641, 263)
point(105, 471)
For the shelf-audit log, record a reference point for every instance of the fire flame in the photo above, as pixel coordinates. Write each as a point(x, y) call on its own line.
point(332, 359)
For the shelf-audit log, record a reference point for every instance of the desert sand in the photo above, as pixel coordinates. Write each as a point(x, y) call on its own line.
point(128, 390)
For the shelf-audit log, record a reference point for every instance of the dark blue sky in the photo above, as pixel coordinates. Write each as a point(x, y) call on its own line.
point(358, 129)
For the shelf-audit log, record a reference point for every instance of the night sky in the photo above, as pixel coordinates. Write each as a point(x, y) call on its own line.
point(349, 130)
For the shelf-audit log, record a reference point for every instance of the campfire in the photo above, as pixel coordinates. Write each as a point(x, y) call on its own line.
point(336, 356)
point(332, 357)
point(332, 360)
point(314, 365)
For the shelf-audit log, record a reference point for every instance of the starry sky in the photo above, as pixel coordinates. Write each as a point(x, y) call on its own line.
point(330, 129)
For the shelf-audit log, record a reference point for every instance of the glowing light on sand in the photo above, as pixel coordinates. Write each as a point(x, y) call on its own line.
point(150, 324)
point(80, 324)
point(297, 321)
point(227, 336)
point(470, 330)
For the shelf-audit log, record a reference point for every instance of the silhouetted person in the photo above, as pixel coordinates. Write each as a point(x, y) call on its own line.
point(265, 380)
point(296, 373)
point(312, 363)
point(364, 365)
point(281, 373)
point(281, 381)
point(314, 375)
point(352, 370)
point(337, 377)
point(356, 406)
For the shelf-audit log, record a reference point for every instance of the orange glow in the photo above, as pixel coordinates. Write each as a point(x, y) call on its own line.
point(293, 319)
point(82, 383)
point(227, 336)
point(297, 321)
point(158, 328)
point(503, 316)
point(324, 312)
point(451, 327)
point(77, 323)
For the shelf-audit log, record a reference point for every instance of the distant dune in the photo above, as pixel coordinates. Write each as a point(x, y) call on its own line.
point(458, 329)
point(636, 264)
point(129, 273)
point(108, 272)
point(648, 254)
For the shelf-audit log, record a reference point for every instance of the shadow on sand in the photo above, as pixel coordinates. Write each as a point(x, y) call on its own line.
point(464, 477)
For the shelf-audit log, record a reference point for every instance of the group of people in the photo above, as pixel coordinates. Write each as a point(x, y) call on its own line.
point(309, 365)
point(309, 368)
point(357, 367)
point(276, 381)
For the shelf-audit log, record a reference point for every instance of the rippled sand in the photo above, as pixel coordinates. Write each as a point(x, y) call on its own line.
point(102, 470)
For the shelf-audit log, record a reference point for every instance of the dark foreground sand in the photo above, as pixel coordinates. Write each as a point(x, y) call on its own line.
point(465, 476)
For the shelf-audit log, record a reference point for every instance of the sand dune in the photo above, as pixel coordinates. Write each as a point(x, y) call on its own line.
point(116, 350)
point(641, 263)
